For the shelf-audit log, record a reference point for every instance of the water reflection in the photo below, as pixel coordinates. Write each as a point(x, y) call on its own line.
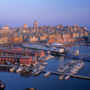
point(4, 69)
point(25, 74)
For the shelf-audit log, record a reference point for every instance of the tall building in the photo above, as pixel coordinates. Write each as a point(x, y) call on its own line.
point(25, 26)
point(35, 24)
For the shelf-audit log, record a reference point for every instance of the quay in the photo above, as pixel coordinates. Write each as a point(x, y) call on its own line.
point(3, 65)
point(45, 48)
point(75, 76)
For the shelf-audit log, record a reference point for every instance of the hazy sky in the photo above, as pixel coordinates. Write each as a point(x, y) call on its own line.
point(46, 12)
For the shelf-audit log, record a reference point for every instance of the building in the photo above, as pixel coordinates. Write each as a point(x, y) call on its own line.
point(21, 51)
point(16, 59)
point(25, 26)
point(35, 25)
point(5, 27)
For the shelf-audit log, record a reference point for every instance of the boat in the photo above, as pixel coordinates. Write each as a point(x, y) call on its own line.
point(76, 52)
point(36, 72)
point(44, 63)
point(19, 69)
point(42, 67)
point(12, 69)
point(67, 77)
point(47, 74)
point(61, 77)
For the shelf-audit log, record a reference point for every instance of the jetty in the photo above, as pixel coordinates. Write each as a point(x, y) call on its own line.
point(74, 76)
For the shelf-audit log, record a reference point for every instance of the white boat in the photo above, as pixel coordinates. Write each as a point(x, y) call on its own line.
point(61, 77)
point(44, 63)
point(41, 67)
point(67, 77)
point(12, 69)
point(76, 52)
point(19, 69)
point(47, 74)
point(35, 73)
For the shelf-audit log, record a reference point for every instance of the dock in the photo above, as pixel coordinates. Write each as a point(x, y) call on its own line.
point(74, 76)
point(56, 73)
point(45, 48)
point(81, 77)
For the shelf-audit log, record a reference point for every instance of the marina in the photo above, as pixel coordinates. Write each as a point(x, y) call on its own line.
point(45, 65)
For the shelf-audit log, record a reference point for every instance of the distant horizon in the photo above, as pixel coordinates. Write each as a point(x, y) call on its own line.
point(31, 25)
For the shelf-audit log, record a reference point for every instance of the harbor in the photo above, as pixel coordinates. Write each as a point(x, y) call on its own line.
point(68, 69)
point(41, 80)
point(33, 64)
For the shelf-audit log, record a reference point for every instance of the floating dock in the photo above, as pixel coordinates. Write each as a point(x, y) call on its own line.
point(75, 76)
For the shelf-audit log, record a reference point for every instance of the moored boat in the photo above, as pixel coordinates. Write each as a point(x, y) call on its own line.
point(67, 77)
point(61, 77)
point(19, 69)
point(47, 74)
point(12, 69)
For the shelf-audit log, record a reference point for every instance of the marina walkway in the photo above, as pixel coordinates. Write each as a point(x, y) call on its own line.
point(75, 76)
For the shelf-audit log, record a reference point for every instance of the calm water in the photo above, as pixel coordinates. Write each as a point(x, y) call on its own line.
point(17, 82)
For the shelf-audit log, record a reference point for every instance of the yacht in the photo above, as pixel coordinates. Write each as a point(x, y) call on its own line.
point(12, 69)
point(19, 69)
point(61, 77)
point(47, 74)
point(67, 77)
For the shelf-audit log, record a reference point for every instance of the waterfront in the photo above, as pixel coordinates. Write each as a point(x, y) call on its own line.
point(17, 82)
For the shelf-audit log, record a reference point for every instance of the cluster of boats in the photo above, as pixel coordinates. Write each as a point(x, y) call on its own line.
point(69, 69)
point(66, 66)
point(37, 70)
point(18, 69)
point(77, 67)
point(66, 77)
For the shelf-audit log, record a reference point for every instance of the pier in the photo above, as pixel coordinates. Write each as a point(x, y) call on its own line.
point(74, 76)
point(55, 73)
point(81, 77)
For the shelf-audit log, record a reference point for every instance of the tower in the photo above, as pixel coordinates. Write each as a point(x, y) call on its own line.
point(35, 25)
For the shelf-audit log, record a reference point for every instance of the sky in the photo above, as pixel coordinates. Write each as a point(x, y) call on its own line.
point(46, 12)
